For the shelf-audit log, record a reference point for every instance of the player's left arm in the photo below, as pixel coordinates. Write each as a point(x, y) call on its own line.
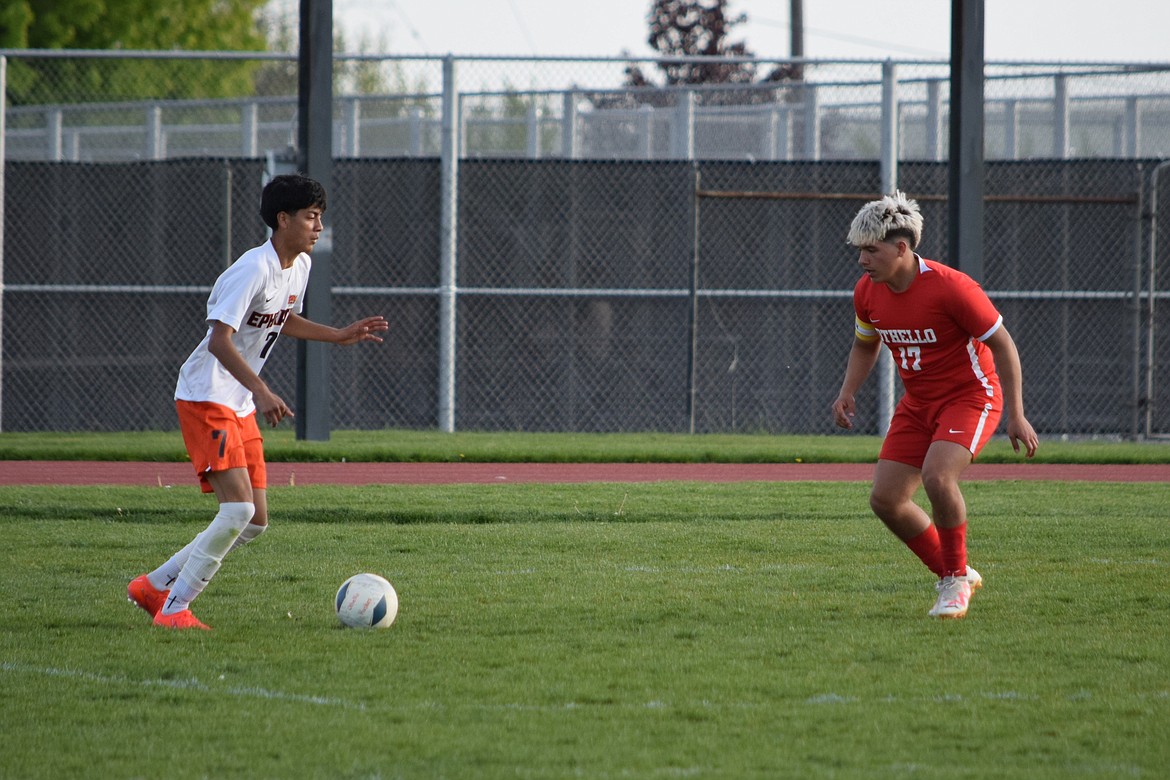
point(1007, 363)
point(365, 329)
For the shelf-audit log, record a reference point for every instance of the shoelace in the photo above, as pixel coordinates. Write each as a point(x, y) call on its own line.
point(951, 586)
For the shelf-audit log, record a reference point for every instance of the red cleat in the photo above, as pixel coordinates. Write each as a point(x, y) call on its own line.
point(145, 595)
point(179, 620)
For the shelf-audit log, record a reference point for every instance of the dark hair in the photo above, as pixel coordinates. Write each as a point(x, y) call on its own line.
point(289, 193)
point(893, 234)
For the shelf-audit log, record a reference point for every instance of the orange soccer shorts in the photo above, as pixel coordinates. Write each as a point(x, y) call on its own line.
point(218, 439)
point(968, 421)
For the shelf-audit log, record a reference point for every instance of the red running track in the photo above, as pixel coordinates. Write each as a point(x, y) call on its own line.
point(139, 473)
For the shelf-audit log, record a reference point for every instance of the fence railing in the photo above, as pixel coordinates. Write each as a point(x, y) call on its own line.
point(1035, 111)
point(549, 262)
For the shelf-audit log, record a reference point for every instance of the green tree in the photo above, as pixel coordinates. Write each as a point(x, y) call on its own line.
point(184, 25)
point(193, 25)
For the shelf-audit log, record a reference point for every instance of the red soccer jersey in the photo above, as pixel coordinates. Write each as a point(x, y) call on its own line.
point(934, 330)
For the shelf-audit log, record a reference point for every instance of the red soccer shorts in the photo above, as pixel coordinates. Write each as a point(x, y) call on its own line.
point(218, 439)
point(968, 421)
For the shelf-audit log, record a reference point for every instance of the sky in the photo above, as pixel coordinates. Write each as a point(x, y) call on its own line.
point(1015, 30)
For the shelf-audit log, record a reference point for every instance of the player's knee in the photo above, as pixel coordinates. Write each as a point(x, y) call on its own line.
point(237, 513)
point(939, 485)
point(882, 503)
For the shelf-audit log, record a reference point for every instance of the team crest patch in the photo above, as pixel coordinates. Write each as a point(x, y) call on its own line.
point(292, 299)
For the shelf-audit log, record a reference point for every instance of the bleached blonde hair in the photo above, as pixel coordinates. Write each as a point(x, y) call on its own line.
point(892, 216)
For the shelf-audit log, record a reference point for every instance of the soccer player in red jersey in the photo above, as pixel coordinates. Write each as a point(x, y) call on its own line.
point(961, 372)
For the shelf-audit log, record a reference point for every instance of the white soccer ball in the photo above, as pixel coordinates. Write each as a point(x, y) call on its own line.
point(366, 601)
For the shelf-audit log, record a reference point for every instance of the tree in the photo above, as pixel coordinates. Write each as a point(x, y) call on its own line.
point(696, 28)
point(184, 25)
point(690, 28)
point(193, 25)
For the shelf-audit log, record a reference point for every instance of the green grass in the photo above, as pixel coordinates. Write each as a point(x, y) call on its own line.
point(602, 631)
point(407, 445)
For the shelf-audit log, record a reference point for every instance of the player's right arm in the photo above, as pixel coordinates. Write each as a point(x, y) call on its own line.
point(269, 405)
point(862, 357)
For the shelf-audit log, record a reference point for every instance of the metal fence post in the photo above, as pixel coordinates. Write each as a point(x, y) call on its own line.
point(3, 210)
point(1060, 118)
point(646, 131)
point(250, 130)
point(682, 131)
point(72, 143)
point(693, 307)
point(353, 125)
point(1136, 313)
point(155, 147)
point(416, 132)
point(1151, 292)
point(227, 214)
point(780, 131)
point(812, 123)
point(1011, 129)
point(570, 139)
point(448, 245)
point(54, 125)
point(314, 420)
point(934, 123)
point(889, 176)
point(1133, 128)
point(965, 165)
point(532, 122)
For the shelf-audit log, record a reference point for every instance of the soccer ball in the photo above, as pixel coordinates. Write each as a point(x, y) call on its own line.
point(366, 601)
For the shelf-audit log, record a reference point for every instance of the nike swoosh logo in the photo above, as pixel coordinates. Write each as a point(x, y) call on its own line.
point(952, 430)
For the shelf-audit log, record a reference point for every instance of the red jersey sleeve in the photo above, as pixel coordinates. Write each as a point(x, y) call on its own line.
point(972, 309)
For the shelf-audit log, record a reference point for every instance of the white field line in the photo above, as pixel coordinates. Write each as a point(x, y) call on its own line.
point(190, 684)
point(829, 698)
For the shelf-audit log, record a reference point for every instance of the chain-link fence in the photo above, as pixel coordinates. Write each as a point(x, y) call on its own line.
point(661, 258)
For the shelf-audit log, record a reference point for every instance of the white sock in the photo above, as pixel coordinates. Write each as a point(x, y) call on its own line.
point(250, 532)
point(206, 554)
point(164, 576)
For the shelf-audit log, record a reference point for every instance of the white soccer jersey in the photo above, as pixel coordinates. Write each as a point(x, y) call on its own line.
point(255, 296)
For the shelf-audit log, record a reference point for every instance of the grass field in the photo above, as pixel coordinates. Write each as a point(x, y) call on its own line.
point(601, 631)
point(434, 446)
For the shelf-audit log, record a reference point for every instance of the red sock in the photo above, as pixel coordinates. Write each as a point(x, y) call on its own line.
point(954, 550)
point(927, 547)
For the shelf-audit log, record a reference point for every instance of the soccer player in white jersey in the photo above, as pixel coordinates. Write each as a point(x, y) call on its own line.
point(220, 392)
point(961, 372)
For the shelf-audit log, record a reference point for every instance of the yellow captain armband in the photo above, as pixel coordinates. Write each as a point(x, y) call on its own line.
point(863, 330)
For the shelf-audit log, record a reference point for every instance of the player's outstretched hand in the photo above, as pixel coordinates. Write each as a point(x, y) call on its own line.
point(1021, 432)
point(366, 329)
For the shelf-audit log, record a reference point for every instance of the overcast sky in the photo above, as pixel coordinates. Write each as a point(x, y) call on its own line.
point(1068, 30)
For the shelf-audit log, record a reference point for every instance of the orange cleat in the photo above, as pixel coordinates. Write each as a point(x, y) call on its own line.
point(179, 620)
point(143, 594)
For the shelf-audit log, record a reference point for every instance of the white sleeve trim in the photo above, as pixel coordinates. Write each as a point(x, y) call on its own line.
point(992, 330)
